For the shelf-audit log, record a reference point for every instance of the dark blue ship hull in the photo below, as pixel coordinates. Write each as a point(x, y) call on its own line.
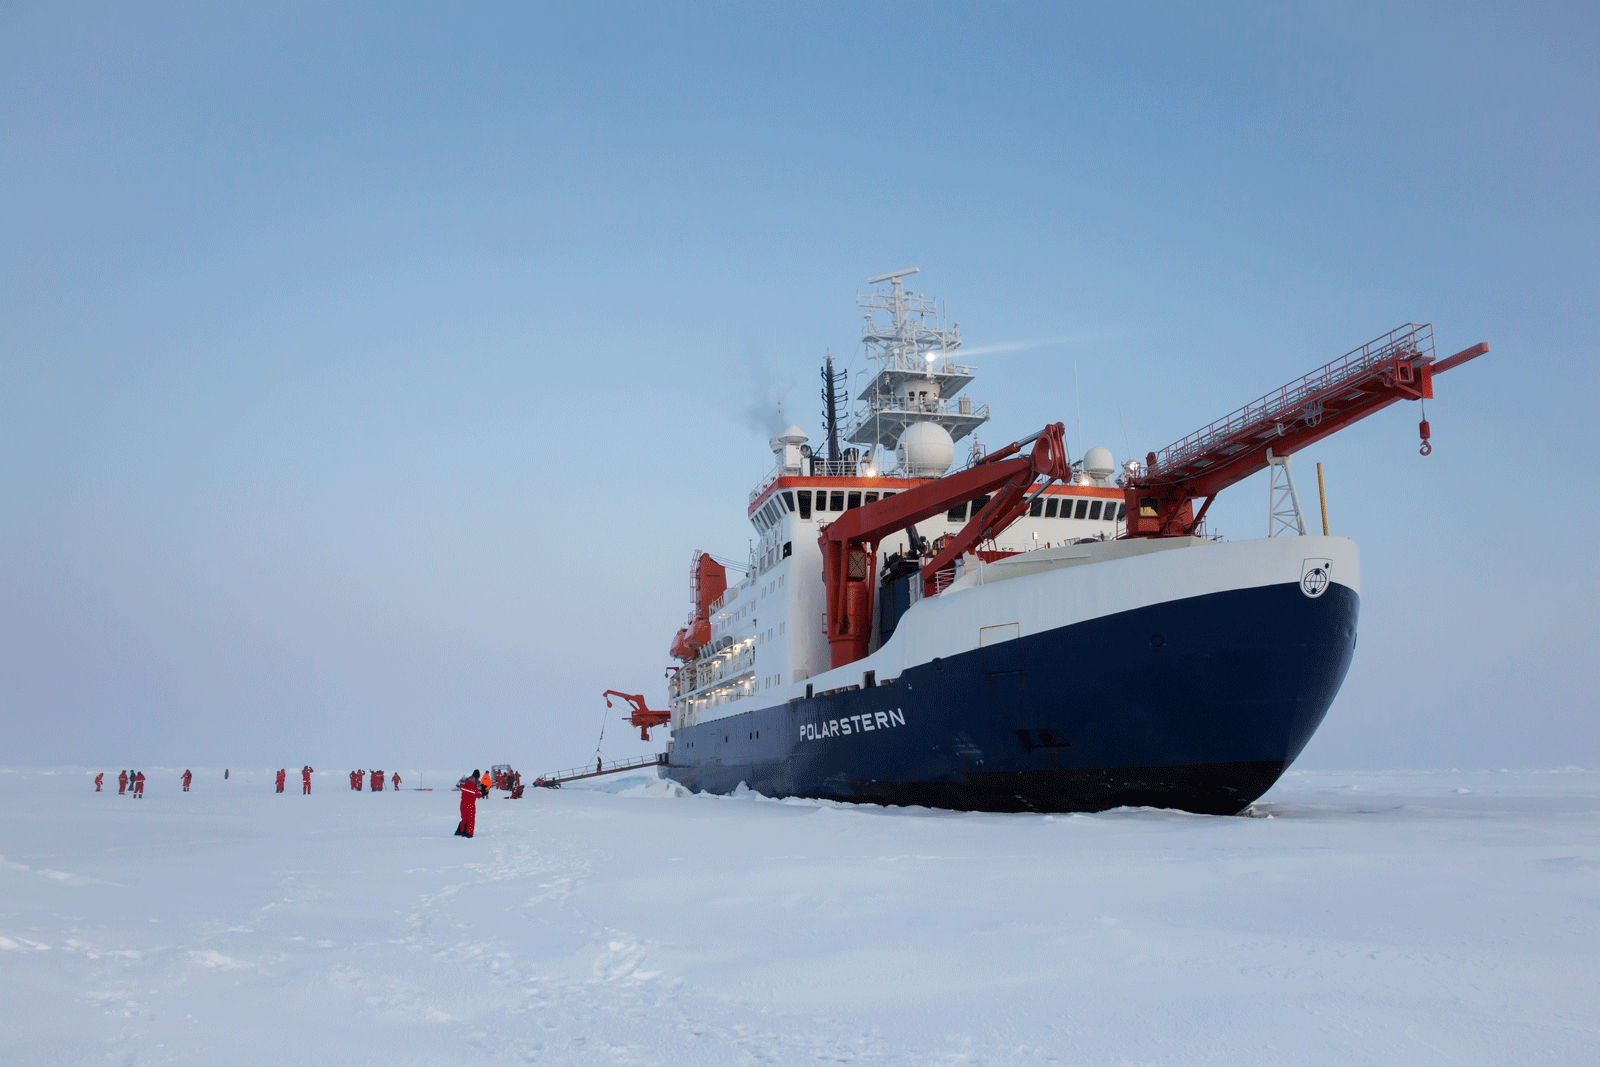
point(1197, 704)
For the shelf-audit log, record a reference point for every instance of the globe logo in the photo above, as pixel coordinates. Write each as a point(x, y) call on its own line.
point(1314, 582)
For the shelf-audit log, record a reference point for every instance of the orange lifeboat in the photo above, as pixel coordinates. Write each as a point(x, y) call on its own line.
point(708, 580)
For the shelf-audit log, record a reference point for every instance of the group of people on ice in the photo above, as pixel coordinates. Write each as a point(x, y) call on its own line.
point(136, 780)
point(472, 787)
point(376, 777)
point(305, 779)
point(133, 778)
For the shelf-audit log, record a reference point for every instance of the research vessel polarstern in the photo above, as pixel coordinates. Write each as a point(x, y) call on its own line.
point(1026, 632)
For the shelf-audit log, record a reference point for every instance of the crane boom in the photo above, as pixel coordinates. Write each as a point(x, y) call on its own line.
point(1397, 366)
point(639, 713)
point(850, 543)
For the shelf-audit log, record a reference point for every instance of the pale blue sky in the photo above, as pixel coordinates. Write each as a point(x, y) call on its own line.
point(368, 373)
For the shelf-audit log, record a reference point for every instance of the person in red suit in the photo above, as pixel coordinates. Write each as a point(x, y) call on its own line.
point(397, 780)
point(377, 781)
point(98, 779)
point(355, 781)
point(470, 792)
point(138, 784)
point(122, 782)
point(305, 780)
point(187, 778)
point(282, 774)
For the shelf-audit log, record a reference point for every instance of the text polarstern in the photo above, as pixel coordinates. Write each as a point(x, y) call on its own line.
point(846, 725)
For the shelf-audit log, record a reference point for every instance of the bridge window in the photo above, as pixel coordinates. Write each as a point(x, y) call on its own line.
point(872, 498)
point(1050, 508)
point(855, 501)
point(835, 501)
point(957, 514)
point(1094, 509)
point(886, 496)
point(805, 503)
point(1036, 508)
point(788, 500)
point(1122, 509)
point(1083, 509)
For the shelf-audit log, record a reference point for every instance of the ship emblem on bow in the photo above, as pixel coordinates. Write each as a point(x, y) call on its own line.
point(1315, 576)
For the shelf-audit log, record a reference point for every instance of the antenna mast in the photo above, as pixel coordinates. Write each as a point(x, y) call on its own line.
point(830, 414)
point(916, 380)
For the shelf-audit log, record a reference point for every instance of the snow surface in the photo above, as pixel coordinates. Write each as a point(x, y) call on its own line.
point(1404, 918)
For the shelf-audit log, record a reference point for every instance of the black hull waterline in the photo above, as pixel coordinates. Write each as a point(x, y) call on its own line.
point(1198, 704)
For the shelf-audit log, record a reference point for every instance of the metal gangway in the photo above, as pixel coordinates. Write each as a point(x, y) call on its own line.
point(573, 774)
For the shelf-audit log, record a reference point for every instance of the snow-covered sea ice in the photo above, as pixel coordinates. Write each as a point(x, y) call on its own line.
point(1394, 918)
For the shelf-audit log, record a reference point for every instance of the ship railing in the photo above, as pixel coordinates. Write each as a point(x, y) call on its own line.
point(960, 405)
point(833, 468)
point(1285, 405)
point(554, 779)
point(903, 359)
point(772, 476)
point(811, 467)
point(695, 677)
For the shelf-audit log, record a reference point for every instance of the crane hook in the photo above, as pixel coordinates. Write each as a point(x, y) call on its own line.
point(1424, 432)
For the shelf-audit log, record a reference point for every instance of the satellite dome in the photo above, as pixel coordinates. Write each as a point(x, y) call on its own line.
point(794, 435)
point(1098, 464)
point(926, 450)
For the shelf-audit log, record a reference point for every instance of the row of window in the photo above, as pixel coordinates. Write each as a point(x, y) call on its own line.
point(1114, 509)
point(1050, 507)
point(799, 500)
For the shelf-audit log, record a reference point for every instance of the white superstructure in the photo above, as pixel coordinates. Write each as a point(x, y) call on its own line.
point(767, 631)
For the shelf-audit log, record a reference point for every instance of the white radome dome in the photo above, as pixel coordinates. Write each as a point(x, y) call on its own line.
point(1099, 465)
point(926, 450)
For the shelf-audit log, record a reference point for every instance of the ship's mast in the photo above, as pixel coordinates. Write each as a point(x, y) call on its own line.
point(830, 413)
point(917, 381)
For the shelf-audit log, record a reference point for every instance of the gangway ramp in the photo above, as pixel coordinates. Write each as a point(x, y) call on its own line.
point(573, 774)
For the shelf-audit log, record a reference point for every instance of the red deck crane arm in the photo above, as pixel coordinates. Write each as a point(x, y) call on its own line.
point(1397, 366)
point(1048, 461)
point(640, 715)
point(850, 543)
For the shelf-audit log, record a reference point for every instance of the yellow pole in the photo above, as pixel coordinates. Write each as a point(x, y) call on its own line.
point(1322, 495)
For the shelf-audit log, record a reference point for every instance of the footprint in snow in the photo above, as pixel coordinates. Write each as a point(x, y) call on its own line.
point(621, 959)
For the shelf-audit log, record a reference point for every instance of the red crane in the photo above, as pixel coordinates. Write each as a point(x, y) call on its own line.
point(850, 543)
point(640, 715)
point(1397, 366)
